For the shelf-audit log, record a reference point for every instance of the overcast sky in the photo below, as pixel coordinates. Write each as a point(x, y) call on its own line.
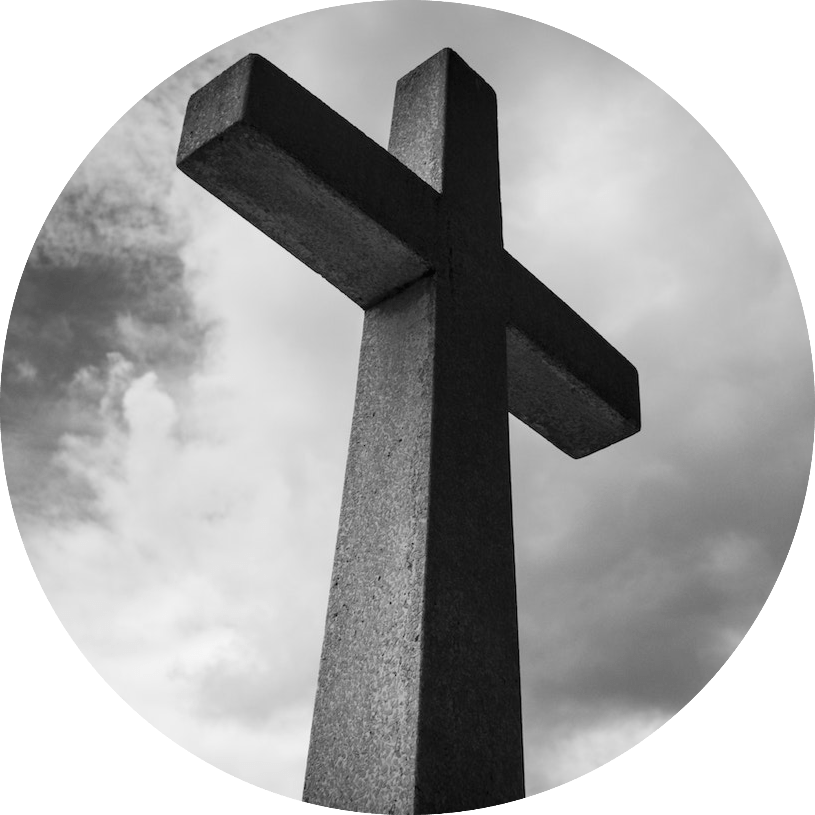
point(177, 395)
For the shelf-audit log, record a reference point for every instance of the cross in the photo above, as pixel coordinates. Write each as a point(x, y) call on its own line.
point(418, 705)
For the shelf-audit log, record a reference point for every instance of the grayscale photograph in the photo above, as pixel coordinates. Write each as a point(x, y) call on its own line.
point(407, 407)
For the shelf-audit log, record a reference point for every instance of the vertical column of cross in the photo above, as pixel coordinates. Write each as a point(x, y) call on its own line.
point(470, 750)
point(364, 737)
point(363, 748)
point(418, 702)
point(445, 128)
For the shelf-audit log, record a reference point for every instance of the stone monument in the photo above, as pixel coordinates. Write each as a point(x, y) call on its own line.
point(418, 704)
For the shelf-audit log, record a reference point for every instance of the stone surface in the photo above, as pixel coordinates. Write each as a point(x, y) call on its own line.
point(418, 701)
point(310, 180)
point(565, 380)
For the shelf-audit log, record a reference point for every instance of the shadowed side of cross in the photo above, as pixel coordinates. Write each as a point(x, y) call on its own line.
point(418, 702)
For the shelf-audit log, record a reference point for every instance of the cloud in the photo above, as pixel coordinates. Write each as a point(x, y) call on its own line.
point(575, 750)
point(198, 568)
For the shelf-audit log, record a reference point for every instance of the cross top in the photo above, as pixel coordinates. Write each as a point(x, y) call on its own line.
point(418, 701)
point(361, 217)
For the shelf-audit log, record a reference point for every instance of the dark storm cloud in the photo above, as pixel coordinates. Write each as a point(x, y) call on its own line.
point(673, 543)
point(104, 277)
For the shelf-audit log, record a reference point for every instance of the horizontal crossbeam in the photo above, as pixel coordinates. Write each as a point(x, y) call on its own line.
point(564, 380)
point(310, 180)
point(355, 214)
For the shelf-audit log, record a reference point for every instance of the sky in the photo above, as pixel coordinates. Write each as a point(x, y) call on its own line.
point(177, 395)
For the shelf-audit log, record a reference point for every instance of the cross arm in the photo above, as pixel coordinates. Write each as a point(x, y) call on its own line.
point(310, 180)
point(564, 380)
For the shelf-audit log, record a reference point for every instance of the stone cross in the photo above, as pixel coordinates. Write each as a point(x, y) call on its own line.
point(418, 703)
